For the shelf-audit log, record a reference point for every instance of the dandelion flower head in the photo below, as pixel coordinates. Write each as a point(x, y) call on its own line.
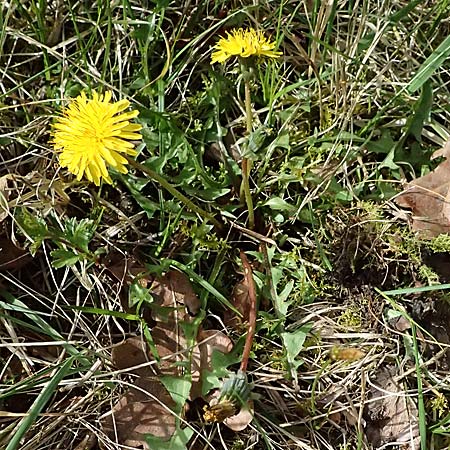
point(243, 43)
point(93, 133)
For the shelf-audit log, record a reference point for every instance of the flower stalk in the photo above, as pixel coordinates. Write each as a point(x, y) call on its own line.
point(174, 191)
point(246, 163)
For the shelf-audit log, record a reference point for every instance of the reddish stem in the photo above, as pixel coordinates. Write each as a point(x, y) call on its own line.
point(248, 274)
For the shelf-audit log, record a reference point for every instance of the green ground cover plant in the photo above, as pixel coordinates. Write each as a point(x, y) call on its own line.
point(224, 224)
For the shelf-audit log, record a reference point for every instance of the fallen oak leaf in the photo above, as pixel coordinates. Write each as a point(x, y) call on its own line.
point(242, 419)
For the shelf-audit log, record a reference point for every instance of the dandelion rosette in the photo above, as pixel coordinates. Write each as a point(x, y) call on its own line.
point(93, 133)
point(243, 43)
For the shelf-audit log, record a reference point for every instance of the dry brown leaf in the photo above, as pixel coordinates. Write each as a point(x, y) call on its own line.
point(428, 197)
point(126, 270)
point(392, 417)
point(149, 410)
point(402, 324)
point(174, 290)
point(132, 352)
point(240, 299)
point(143, 409)
point(209, 340)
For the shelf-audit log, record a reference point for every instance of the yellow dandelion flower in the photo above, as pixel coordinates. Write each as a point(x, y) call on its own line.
point(92, 133)
point(243, 43)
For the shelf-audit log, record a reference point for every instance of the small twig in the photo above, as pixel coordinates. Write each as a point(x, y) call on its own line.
point(248, 274)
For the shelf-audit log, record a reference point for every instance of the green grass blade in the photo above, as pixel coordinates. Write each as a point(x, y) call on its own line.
point(404, 291)
point(420, 402)
point(202, 282)
point(105, 312)
point(13, 304)
point(431, 64)
point(38, 405)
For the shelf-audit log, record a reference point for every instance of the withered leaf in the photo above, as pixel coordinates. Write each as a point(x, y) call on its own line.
point(174, 290)
point(428, 197)
point(391, 415)
point(242, 419)
point(126, 270)
point(242, 302)
point(143, 409)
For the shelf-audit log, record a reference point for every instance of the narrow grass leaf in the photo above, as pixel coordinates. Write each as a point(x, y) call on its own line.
point(431, 64)
point(202, 282)
point(420, 401)
point(105, 312)
point(405, 291)
point(13, 304)
point(39, 404)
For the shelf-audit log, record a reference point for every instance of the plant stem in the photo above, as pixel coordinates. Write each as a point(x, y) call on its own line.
point(174, 191)
point(250, 282)
point(246, 163)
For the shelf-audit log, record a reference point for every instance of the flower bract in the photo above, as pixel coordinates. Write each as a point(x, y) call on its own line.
point(243, 43)
point(93, 134)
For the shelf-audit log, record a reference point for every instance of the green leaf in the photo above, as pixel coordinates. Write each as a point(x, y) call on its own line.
point(293, 345)
point(138, 294)
point(278, 204)
point(64, 258)
point(282, 303)
point(211, 379)
point(38, 405)
point(34, 228)
point(430, 65)
point(105, 312)
point(4, 141)
point(178, 388)
point(79, 233)
point(255, 142)
point(293, 342)
point(177, 442)
point(383, 145)
point(422, 112)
